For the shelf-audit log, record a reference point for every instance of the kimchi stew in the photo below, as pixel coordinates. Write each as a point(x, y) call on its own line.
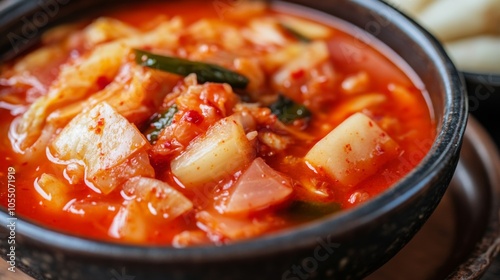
point(185, 123)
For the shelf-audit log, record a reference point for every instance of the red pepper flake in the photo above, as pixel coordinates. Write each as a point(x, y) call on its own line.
point(348, 148)
point(102, 82)
point(166, 145)
point(298, 74)
point(100, 122)
point(99, 125)
point(193, 116)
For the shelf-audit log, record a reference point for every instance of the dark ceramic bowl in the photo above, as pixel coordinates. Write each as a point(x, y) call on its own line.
point(349, 245)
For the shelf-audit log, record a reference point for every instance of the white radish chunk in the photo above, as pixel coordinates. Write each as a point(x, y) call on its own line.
point(53, 191)
point(110, 148)
point(353, 151)
point(259, 187)
point(161, 199)
point(190, 238)
point(223, 150)
point(232, 228)
point(129, 224)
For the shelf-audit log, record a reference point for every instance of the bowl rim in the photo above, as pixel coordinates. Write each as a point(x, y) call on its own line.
point(446, 144)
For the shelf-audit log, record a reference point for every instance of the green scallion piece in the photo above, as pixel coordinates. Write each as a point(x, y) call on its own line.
point(310, 210)
point(159, 123)
point(205, 72)
point(297, 35)
point(288, 111)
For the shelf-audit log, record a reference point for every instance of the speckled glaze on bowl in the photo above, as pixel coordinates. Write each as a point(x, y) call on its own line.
point(349, 245)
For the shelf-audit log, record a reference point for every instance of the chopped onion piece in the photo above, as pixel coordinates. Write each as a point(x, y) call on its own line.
point(259, 187)
point(232, 228)
point(129, 224)
point(190, 238)
point(162, 199)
